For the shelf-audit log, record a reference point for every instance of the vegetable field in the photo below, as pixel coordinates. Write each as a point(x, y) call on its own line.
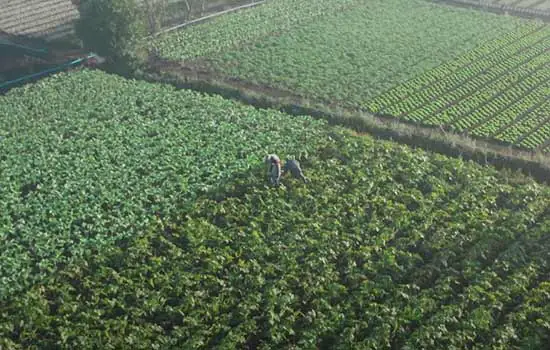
point(348, 55)
point(83, 164)
point(137, 216)
point(500, 90)
point(234, 30)
point(474, 73)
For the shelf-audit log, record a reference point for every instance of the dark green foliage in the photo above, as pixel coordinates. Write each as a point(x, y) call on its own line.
point(386, 247)
point(87, 158)
point(112, 28)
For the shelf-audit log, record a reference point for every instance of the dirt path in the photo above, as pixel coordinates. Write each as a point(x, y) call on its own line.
point(196, 71)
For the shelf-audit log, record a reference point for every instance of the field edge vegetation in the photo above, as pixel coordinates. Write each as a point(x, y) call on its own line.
point(530, 163)
point(190, 66)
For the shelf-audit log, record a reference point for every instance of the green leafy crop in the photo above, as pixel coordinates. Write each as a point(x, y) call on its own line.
point(467, 71)
point(499, 90)
point(137, 216)
point(346, 54)
point(87, 158)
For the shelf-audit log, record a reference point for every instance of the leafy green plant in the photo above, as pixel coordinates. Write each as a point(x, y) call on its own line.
point(496, 91)
point(88, 158)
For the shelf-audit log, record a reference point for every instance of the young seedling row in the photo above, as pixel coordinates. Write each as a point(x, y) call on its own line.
point(490, 96)
point(446, 77)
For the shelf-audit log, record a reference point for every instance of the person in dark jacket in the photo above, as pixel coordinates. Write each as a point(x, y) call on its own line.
point(293, 166)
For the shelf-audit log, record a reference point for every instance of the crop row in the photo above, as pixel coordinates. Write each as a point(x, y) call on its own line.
point(464, 105)
point(509, 96)
point(495, 284)
point(532, 315)
point(540, 136)
point(301, 51)
point(513, 133)
point(490, 76)
point(481, 53)
point(503, 118)
point(473, 72)
point(444, 69)
point(533, 105)
point(326, 274)
point(449, 288)
point(312, 60)
point(469, 111)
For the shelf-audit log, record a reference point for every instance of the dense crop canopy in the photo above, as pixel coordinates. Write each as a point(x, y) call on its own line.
point(87, 158)
point(354, 54)
point(386, 247)
point(246, 26)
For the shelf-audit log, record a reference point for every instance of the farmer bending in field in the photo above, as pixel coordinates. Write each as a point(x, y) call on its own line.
point(294, 167)
point(274, 169)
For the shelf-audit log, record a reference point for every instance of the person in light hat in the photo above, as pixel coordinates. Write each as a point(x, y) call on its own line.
point(273, 168)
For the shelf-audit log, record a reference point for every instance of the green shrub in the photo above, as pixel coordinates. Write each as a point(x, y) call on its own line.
point(112, 28)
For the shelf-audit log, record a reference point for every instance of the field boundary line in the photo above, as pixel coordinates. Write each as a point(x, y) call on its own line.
point(502, 156)
point(201, 19)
